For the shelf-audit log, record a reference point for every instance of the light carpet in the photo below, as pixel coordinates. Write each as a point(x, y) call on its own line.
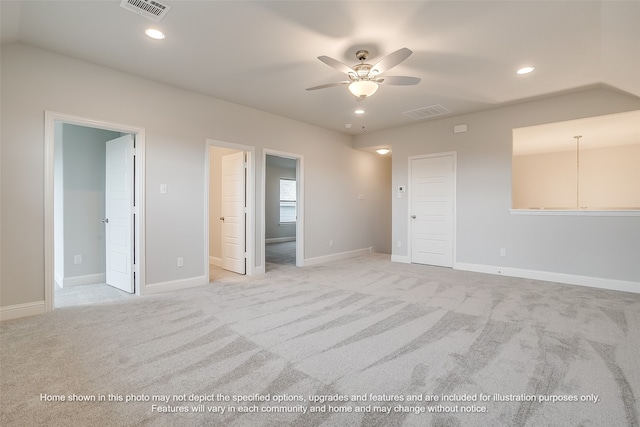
point(358, 342)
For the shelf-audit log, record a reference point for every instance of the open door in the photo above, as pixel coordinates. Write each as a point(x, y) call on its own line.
point(233, 212)
point(119, 209)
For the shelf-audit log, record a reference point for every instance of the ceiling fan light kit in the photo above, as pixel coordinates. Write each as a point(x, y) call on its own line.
point(365, 78)
point(363, 88)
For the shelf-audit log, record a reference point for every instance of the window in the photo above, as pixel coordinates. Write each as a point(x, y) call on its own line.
point(287, 200)
point(590, 164)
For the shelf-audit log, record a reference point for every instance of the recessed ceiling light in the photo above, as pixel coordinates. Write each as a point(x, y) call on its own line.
point(382, 150)
point(154, 34)
point(525, 70)
point(359, 111)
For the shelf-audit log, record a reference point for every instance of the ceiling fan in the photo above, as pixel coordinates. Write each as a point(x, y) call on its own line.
point(365, 78)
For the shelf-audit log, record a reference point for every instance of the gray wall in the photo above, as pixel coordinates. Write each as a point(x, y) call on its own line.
point(600, 247)
point(382, 203)
point(177, 125)
point(277, 167)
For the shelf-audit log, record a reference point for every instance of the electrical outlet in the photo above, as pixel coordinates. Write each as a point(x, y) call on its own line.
point(503, 252)
point(77, 259)
point(330, 243)
point(399, 243)
point(180, 261)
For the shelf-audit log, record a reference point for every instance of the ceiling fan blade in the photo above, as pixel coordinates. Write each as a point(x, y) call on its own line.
point(328, 85)
point(390, 61)
point(334, 63)
point(397, 80)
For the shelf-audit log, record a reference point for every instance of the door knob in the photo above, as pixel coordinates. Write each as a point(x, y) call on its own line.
point(413, 216)
point(105, 220)
point(221, 218)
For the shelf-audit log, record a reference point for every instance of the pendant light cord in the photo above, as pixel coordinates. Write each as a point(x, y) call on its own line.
point(577, 137)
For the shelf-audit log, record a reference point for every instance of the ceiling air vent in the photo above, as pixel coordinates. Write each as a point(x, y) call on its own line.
point(150, 9)
point(426, 112)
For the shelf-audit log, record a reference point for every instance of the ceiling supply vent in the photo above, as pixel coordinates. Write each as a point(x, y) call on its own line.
point(150, 9)
point(426, 112)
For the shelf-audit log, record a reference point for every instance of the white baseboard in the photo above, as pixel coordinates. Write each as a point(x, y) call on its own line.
point(569, 279)
point(280, 239)
point(215, 261)
point(174, 285)
point(337, 256)
point(401, 258)
point(88, 279)
point(22, 310)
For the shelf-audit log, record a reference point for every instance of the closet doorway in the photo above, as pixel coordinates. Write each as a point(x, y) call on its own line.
point(283, 210)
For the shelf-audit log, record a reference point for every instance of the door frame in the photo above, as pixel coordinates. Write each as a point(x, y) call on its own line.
point(454, 156)
point(50, 117)
point(250, 235)
point(299, 202)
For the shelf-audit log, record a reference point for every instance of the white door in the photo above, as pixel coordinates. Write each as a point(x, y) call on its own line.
point(233, 212)
point(119, 213)
point(432, 202)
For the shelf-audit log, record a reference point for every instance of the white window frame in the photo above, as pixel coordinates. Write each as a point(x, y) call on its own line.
point(294, 201)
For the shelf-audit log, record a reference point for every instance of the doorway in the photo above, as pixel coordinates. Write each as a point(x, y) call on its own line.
point(432, 209)
point(283, 205)
point(87, 241)
point(230, 224)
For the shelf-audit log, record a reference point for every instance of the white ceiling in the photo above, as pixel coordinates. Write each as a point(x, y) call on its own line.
point(262, 54)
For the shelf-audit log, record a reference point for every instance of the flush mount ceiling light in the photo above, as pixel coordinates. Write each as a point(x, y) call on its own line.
point(365, 78)
point(525, 70)
point(154, 34)
point(382, 151)
point(359, 111)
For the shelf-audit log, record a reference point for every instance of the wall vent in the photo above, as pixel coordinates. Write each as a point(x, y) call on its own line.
point(426, 112)
point(150, 9)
